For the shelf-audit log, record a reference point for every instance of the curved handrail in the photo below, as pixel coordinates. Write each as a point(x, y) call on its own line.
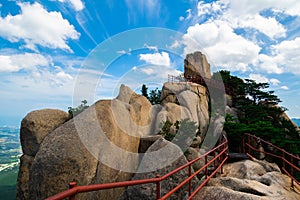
point(221, 158)
point(288, 159)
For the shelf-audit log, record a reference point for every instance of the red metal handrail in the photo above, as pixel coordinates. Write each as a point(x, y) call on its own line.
point(221, 157)
point(283, 155)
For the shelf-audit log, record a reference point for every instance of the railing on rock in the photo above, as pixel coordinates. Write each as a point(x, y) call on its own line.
point(290, 163)
point(219, 153)
point(207, 82)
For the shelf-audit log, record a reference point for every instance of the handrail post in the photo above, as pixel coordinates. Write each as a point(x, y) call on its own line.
point(190, 181)
point(248, 148)
point(214, 162)
point(158, 187)
point(72, 185)
point(283, 159)
point(243, 145)
point(206, 170)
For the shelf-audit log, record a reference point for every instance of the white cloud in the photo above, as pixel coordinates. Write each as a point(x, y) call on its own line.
point(121, 52)
point(262, 79)
point(77, 4)
point(274, 81)
point(161, 59)
point(247, 14)
point(188, 15)
point(258, 78)
point(147, 71)
point(149, 8)
point(268, 26)
point(26, 61)
point(64, 76)
point(210, 8)
point(222, 45)
point(176, 44)
point(181, 18)
point(154, 48)
point(36, 26)
point(285, 57)
point(284, 87)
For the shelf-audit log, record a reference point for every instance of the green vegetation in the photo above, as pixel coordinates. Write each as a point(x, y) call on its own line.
point(8, 184)
point(153, 96)
point(75, 111)
point(180, 133)
point(258, 114)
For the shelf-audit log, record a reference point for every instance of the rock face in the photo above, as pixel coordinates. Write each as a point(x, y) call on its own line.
point(34, 128)
point(191, 97)
point(164, 157)
point(99, 145)
point(195, 64)
point(253, 180)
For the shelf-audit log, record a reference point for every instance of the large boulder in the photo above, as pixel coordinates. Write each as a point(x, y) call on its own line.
point(37, 125)
point(161, 158)
point(195, 64)
point(253, 180)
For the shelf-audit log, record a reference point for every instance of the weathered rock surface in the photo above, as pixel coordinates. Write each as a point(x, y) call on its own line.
point(141, 117)
point(37, 125)
point(162, 157)
point(72, 153)
point(23, 177)
point(253, 180)
point(99, 145)
point(196, 64)
point(34, 128)
point(192, 97)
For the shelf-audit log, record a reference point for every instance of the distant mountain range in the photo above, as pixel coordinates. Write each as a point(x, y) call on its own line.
point(297, 121)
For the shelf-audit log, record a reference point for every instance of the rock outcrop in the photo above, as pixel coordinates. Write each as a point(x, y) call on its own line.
point(96, 146)
point(34, 128)
point(195, 64)
point(253, 180)
point(190, 96)
point(113, 140)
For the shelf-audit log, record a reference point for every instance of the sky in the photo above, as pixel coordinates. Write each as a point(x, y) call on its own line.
point(55, 53)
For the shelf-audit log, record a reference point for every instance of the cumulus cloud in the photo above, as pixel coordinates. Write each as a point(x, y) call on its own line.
point(162, 59)
point(262, 79)
point(285, 57)
point(258, 78)
point(211, 8)
point(36, 26)
point(26, 61)
point(274, 81)
point(222, 45)
point(76, 4)
point(220, 35)
point(285, 87)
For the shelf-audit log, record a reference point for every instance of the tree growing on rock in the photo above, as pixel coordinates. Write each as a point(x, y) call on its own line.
point(258, 114)
point(75, 111)
point(153, 96)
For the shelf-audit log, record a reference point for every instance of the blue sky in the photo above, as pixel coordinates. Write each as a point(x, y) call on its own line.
point(54, 53)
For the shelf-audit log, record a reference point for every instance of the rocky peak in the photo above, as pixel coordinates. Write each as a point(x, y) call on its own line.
point(195, 64)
